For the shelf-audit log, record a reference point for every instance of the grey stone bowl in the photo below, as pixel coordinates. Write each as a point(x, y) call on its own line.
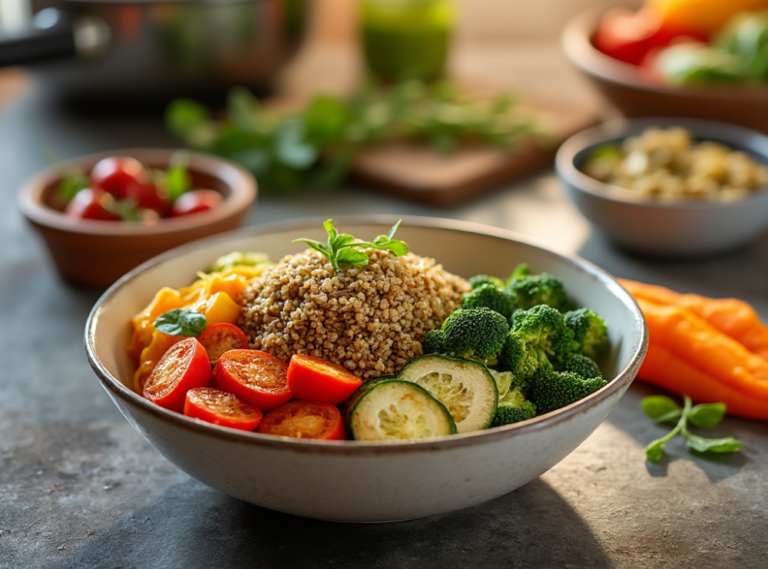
point(669, 229)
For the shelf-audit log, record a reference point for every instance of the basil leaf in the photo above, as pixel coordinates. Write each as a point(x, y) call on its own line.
point(352, 257)
point(331, 229)
point(655, 450)
point(180, 322)
point(316, 245)
point(391, 233)
point(701, 444)
point(177, 180)
point(399, 248)
point(707, 415)
point(659, 406)
point(71, 183)
point(342, 241)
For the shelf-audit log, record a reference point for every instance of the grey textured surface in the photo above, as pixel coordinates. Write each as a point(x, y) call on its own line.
point(80, 488)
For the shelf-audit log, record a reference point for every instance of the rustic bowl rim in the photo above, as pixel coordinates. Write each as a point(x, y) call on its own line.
point(117, 389)
point(242, 186)
point(595, 136)
point(576, 42)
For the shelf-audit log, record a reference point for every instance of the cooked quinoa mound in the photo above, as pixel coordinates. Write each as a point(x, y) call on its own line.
point(368, 319)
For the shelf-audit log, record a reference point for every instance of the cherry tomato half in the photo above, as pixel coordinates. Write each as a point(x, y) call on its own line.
point(183, 367)
point(255, 376)
point(313, 379)
point(146, 197)
point(221, 408)
point(221, 338)
point(119, 175)
point(304, 420)
point(196, 201)
point(89, 203)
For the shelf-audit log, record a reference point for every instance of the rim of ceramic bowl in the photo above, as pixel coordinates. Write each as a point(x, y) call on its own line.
point(577, 44)
point(117, 389)
point(731, 135)
point(242, 185)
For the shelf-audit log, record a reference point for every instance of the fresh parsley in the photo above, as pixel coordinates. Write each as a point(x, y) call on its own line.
point(180, 322)
point(340, 247)
point(314, 147)
point(704, 416)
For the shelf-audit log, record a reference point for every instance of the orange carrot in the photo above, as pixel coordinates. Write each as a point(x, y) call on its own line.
point(691, 339)
point(664, 369)
point(731, 316)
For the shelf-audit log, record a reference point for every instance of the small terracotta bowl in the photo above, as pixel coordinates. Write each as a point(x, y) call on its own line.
point(97, 253)
point(635, 95)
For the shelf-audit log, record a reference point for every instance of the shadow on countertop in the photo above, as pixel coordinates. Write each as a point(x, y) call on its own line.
point(191, 525)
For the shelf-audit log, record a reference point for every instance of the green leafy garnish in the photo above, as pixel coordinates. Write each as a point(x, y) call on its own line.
point(665, 410)
point(70, 183)
point(314, 147)
point(340, 247)
point(180, 322)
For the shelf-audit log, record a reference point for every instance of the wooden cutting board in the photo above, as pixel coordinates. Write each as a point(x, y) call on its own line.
point(416, 172)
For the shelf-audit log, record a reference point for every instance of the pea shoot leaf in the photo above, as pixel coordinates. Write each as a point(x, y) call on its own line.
point(707, 415)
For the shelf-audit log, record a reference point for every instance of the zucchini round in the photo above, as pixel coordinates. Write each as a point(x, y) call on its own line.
point(398, 410)
point(465, 387)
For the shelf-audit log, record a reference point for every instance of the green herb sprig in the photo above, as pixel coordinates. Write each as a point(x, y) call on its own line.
point(180, 322)
point(705, 416)
point(340, 247)
point(314, 147)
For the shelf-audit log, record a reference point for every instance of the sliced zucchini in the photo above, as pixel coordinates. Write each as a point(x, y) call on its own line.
point(465, 387)
point(398, 410)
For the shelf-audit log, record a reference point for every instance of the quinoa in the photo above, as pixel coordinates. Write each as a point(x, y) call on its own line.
point(371, 319)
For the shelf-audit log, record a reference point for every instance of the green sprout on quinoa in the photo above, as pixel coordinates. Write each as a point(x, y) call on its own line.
point(339, 250)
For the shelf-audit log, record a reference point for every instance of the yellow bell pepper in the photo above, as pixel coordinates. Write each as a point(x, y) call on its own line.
point(704, 16)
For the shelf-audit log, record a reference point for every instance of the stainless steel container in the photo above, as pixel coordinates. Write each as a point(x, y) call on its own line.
point(140, 51)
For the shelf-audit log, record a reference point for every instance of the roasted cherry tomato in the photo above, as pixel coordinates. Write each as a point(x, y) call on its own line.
point(255, 376)
point(304, 420)
point(89, 204)
point(313, 379)
point(183, 367)
point(195, 201)
point(146, 197)
point(119, 175)
point(221, 338)
point(221, 408)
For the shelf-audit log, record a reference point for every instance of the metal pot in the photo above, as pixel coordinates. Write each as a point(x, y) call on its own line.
point(147, 50)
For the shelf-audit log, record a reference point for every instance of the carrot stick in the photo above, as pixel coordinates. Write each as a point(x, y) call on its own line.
point(731, 316)
point(691, 339)
point(664, 369)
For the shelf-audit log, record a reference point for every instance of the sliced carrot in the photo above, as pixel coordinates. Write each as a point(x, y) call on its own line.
point(721, 357)
point(664, 369)
point(731, 316)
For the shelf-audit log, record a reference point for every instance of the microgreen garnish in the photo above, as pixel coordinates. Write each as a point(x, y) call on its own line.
point(180, 322)
point(705, 416)
point(339, 250)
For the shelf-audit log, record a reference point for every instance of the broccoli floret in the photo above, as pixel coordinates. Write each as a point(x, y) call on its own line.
point(582, 365)
point(543, 328)
point(555, 389)
point(433, 342)
point(521, 359)
point(589, 331)
point(520, 271)
point(529, 291)
point(513, 406)
point(474, 333)
point(479, 280)
point(488, 296)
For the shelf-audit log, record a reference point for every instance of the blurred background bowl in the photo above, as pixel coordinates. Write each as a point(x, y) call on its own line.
point(681, 229)
point(97, 253)
point(634, 95)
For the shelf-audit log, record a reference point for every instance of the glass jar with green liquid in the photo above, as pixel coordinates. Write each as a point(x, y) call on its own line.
point(406, 39)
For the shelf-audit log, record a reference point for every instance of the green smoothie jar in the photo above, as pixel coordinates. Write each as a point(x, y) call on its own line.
point(406, 39)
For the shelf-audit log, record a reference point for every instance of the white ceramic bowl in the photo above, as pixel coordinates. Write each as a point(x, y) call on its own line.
point(681, 229)
point(356, 481)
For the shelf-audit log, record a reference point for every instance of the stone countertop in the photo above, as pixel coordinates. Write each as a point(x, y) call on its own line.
point(80, 488)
